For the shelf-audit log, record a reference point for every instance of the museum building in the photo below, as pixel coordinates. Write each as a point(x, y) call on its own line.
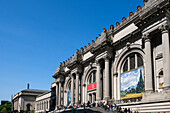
point(127, 64)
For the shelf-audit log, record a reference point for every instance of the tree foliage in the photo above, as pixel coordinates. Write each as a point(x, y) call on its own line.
point(140, 85)
point(6, 108)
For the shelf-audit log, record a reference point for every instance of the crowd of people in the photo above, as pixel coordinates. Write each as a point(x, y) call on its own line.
point(104, 105)
point(114, 107)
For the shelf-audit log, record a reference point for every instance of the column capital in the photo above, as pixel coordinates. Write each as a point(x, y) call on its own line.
point(78, 73)
point(146, 37)
point(107, 58)
point(164, 28)
point(97, 63)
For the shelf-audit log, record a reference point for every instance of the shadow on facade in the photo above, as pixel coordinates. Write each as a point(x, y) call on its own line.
point(53, 99)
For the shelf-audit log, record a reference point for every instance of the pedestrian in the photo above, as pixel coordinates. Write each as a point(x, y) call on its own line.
point(125, 110)
point(111, 107)
point(101, 104)
point(115, 107)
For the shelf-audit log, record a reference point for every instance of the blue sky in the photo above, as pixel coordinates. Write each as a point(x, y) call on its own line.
point(35, 35)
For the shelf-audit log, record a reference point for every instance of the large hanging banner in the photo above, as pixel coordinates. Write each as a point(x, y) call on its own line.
point(132, 84)
point(68, 97)
point(91, 86)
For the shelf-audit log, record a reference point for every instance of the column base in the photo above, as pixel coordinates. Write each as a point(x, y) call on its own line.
point(98, 99)
point(107, 98)
point(156, 96)
point(72, 104)
point(56, 108)
point(148, 91)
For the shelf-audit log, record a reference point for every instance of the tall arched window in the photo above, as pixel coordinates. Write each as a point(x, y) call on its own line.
point(133, 61)
point(92, 77)
point(132, 78)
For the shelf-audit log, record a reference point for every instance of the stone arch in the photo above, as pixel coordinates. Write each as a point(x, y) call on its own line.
point(67, 83)
point(91, 68)
point(87, 73)
point(28, 106)
point(160, 80)
point(136, 48)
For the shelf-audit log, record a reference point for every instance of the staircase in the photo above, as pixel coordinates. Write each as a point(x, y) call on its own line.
point(148, 107)
point(101, 110)
point(88, 110)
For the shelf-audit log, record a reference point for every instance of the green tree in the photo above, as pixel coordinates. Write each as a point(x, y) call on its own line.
point(140, 85)
point(6, 108)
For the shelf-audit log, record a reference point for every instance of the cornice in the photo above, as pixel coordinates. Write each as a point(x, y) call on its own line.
point(152, 12)
point(127, 38)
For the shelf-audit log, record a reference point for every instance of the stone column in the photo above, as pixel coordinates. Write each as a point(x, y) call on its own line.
point(148, 64)
point(84, 92)
point(59, 94)
point(77, 88)
point(56, 95)
point(65, 98)
point(98, 77)
point(62, 95)
point(107, 79)
point(48, 104)
point(72, 90)
point(112, 77)
point(93, 98)
point(166, 55)
point(115, 86)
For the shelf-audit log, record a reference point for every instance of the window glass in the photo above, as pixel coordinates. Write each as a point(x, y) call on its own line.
point(125, 67)
point(94, 77)
point(132, 62)
point(140, 61)
point(90, 80)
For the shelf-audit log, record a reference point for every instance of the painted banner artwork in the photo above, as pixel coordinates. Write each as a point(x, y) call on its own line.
point(69, 97)
point(132, 84)
point(91, 86)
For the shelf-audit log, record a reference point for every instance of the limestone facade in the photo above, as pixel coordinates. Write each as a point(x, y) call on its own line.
point(94, 73)
point(140, 40)
point(42, 103)
point(25, 100)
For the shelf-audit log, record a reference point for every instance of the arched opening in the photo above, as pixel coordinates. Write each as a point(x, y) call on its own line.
point(132, 78)
point(91, 85)
point(28, 106)
point(160, 81)
point(69, 93)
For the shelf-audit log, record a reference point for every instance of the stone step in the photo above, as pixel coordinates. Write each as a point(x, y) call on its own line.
point(148, 107)
point(101, 109)
point(88, 110)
